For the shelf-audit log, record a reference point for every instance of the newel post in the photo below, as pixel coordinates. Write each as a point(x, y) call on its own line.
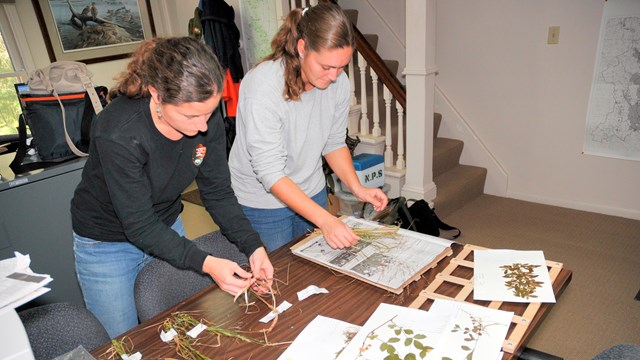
point(420, 75)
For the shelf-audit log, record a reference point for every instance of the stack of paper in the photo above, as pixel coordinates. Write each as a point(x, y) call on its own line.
point(449, 329)
point(18, 284)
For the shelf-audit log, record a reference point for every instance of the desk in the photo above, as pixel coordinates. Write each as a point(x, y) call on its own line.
point(35, 219)
point(349, 300)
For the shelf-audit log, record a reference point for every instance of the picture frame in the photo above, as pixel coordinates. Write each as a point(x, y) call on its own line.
point(92, 31)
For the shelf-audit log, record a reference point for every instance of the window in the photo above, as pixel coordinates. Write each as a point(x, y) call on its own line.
point(12, 68)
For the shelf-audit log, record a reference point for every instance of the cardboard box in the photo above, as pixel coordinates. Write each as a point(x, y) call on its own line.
point(370, 169)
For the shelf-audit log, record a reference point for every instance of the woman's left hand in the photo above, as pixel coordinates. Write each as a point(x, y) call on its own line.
point(374, 196)
point(261, 266)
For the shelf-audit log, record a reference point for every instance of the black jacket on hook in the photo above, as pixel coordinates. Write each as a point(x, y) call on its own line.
point(222, 35)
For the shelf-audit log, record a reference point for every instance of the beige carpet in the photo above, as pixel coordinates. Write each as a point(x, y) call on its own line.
point(598, 309)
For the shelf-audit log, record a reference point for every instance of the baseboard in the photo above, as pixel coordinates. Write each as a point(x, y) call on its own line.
point(576, 205)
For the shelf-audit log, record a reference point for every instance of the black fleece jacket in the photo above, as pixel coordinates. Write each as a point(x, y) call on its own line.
point(132, 181)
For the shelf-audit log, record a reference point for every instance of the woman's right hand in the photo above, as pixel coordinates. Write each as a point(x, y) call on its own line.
point(229, 276)
point(338, 234)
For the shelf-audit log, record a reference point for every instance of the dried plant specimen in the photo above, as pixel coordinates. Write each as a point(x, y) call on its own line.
point(521, 279)
point(472, 334)
point(189, 348)
point(118, 348)
point(404, 343)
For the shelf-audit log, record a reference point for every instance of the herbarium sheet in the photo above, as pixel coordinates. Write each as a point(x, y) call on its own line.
point(511, 275)
point(388, 261)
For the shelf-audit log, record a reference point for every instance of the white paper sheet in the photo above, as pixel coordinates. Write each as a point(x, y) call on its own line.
point(18, 284)
point(407, 330)
point(322, 339)
point(511, 275)
point(473, 331)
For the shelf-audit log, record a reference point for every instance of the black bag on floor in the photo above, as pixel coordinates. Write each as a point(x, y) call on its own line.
point(418, 217)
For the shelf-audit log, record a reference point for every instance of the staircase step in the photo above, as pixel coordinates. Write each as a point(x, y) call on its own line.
point(372, 39)
point(446, 155)
point(393, 66)
point(457, 187)
point(437, 119)
point(352, 15)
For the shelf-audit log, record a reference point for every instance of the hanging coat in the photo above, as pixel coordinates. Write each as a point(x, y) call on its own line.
point(222, 35)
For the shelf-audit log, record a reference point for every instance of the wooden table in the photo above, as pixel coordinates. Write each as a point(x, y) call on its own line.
point(348, 299)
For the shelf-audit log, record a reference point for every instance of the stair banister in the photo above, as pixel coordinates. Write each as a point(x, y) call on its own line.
point(377, 64)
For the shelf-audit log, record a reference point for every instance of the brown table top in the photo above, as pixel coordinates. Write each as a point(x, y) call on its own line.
point(348, 300)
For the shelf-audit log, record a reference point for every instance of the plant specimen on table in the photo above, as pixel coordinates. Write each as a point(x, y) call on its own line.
point(190, 348)
point(118, 348)
point(400, 343)
point(473, 334)
point(348, 334)
point(521, 279)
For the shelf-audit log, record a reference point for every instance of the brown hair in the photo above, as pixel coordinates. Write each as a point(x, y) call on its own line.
point(322, 27)
point(182, 69)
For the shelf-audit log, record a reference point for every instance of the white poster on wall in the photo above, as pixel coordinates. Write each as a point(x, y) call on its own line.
point(259, 25)
point(613, 118)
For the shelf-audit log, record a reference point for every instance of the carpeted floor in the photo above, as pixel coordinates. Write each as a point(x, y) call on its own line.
point(598, 309)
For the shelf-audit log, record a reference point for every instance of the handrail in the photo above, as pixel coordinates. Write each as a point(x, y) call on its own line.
point(377, 64)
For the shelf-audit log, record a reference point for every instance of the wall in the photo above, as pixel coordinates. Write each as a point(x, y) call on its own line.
point(170, 18)
point(520, 104)
point(528, 100)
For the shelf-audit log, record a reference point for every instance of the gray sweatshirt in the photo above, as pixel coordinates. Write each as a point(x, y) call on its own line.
point(277, 138)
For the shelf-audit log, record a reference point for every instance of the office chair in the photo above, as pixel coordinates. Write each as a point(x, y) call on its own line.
point(159, 285)
point(56, 329)
point(620, 352)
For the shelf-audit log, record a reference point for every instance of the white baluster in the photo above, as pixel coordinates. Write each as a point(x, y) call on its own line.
point(293, 4)
point(388, 152)
point(400, 164)
point(364, 120)
point(376, 105)
point(352, 81)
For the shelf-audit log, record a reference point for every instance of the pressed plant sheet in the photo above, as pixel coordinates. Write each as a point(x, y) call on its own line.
point(389, 261)
point(394, 329)
point(323, 339)
point(511, 275)
point(472, 332)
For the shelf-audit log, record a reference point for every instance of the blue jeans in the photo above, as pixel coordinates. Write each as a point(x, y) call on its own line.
point(279, 226)
point(107, 273)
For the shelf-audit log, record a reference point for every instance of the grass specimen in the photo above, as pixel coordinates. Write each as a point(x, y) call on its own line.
point(261, 288)
point(371, 236)
point(190, 348)
point(118, 348)
point(521, 279)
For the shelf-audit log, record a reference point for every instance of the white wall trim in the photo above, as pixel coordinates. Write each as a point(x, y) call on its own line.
point(19, 39)
point(577, 205)
point(161, 18)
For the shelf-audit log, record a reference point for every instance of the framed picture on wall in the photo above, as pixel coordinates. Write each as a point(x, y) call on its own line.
point(93, 31)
